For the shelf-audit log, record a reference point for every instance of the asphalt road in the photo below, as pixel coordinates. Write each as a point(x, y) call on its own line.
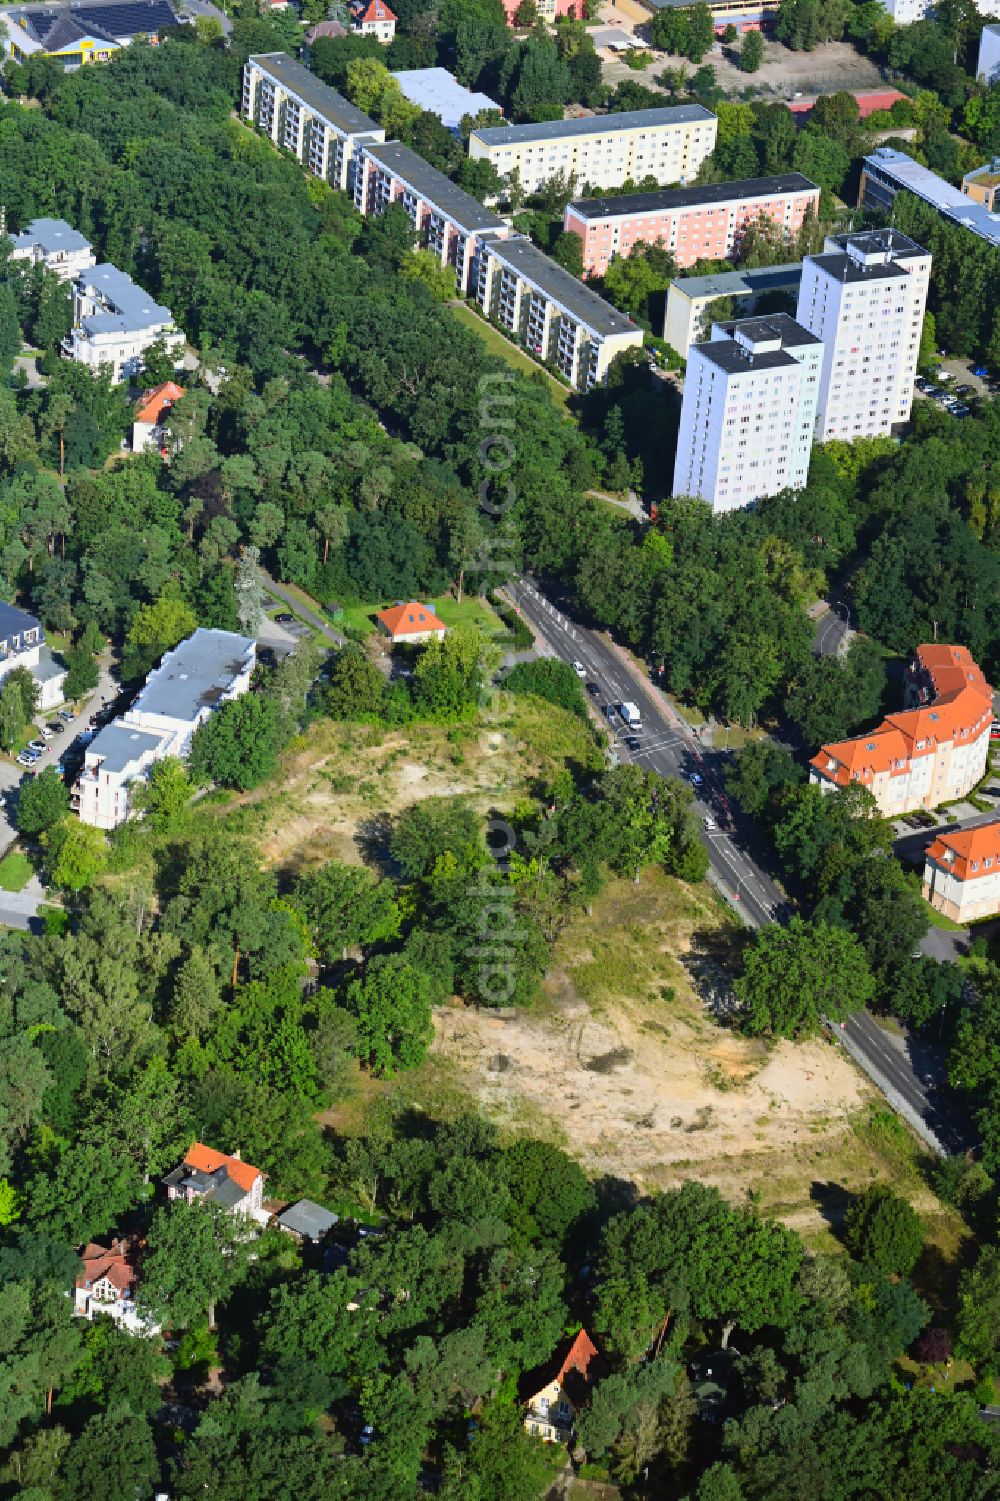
point(671, 747)
point(667, 745)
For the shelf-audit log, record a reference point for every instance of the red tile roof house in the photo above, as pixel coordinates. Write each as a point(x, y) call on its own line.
point(151, 413)
point(412, 622)
point(214, 1178)
point(929, 754)
point(372, 18)
point(555, 1394)
point(962, 872)
point(107, 1286)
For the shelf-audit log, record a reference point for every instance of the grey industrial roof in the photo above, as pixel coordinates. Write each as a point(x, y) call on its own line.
point(732, 283)
point(51, 235)
point(119, 746)
point(843, 268)
point(578, 300)
point(307, 1218)
point(916, 178)
point(195, 675)
point(131, 309)
point(14, 622)
point(554, 130)
point(437, 90)
point(315, 94)
point(431, 184)
point(716, 192)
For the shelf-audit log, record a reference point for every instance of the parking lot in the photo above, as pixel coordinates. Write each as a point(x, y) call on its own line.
point(957, 386)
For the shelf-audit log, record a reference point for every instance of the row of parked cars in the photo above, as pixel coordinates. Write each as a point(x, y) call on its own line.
point(951, 400)
point(37, 748)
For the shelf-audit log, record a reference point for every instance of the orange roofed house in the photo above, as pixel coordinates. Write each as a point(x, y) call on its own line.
point(106, 1285)
point(962, 872)
point(554, 1395)
point(932, 752)
point(151, 413)
point(412, 622)
point(372, 18)
point(217, 1179)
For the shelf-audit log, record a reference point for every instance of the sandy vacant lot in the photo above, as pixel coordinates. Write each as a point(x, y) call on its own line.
point(625, 1066)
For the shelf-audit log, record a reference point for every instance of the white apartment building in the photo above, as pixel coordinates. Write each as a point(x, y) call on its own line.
point(22, 644)
point(54, 244)
point(115, 322)
point(551, 312)
point(962, 872)
point(931, 753)
point(905, 12)
point(749, 411)
point(308, 118)
point(602, 151)
point(988, 66)
point(208, 669)
point(449, 222)
point(865, 298)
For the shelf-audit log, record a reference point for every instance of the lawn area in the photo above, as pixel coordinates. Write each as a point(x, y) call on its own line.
point(497, 344)
point(472, 611)
point(16, 871)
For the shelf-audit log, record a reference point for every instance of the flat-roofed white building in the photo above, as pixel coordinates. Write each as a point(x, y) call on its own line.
point(689, 298)
point(56, 245)
point(865, 296)
point(439, 93)
point(207, 670)
point(305, 116)
point(551, 312)
point(449, 222)
point(602, 151)
point(749, 410)
point(115, 322)
point(988, 66)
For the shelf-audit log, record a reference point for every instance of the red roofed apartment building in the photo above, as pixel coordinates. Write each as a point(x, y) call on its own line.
point(928, 754)
point(372, 18)
point(215, 1178)
point(554, 1395)
point(412, 622)
point(962, 872)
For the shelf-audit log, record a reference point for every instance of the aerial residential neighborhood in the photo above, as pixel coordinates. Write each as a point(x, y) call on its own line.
point(499, 750)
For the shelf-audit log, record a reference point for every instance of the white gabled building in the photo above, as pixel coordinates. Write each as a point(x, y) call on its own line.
point(22, 644)
point(207, 670)
point(56, 245)
point(749, 411)
point(115, 322)
point(317, 125)
point(864, 297)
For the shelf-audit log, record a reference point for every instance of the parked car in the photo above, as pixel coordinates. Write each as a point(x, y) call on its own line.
point(66, 714)
point(695, 778)
point(24, 758)
point(981, 372)
point(56, 727)
point(36, 745)
point(285, 618)
point(579, 669)
point(45, 732)
point(963, 390)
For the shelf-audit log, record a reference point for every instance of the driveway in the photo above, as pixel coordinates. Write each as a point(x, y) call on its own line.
point(196, 8)
point(28, 363)
point(279, 592)
point(18, 908)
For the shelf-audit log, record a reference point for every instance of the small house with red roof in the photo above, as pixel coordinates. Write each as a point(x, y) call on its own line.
point(962, 872)
point(410, 623)
point(554, 1395)
point(213, 1177)
point(106, 1285)
point(372, 18)
point(934, 752)
point(151, 414)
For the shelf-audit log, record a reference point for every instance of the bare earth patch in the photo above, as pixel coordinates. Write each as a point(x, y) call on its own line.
point(623, 1065)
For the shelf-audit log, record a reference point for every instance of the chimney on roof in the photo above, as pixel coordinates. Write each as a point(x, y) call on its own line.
point(235, 1155)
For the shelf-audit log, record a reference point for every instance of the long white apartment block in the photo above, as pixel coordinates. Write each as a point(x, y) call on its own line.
point(207, 670)
point(749, 411)
point(115, 322)
point(305, 116)
point(56, 245)
point(449, 222)
point(864, 297)
point(551, 312)
point(602, 151)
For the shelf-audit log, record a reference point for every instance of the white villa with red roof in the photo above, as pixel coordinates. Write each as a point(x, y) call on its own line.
point(372, 18)
point(554, 1395)
point(931, 753)
point(107, 1286)
point(962, 872)
point(215, 1178)
point(412, 622)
